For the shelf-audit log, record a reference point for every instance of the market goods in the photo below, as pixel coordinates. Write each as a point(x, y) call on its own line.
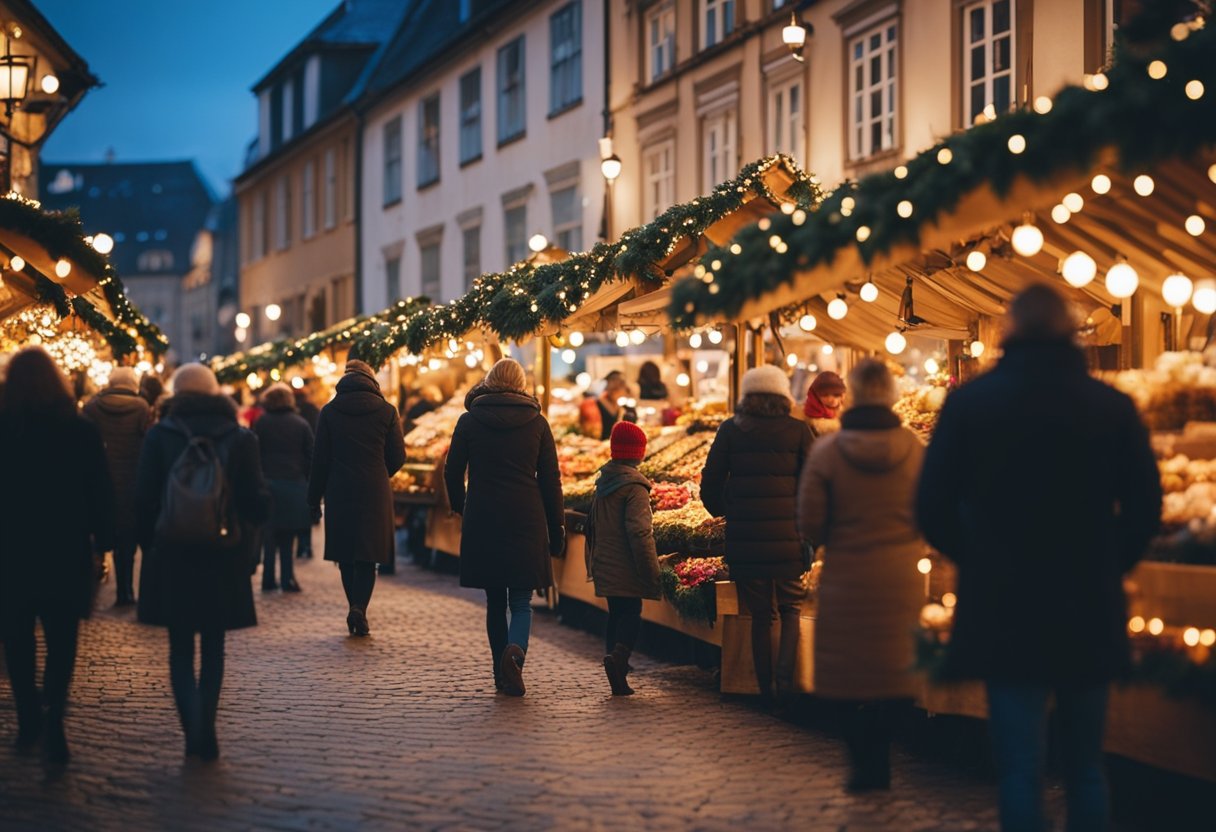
point(1197, 502)
point(689, 585)
point(577, 493)
point(667, 496)
point(1180, 388)
point(1180, 472)
point(659, 466)
point(688, 529)
point(919, 409)
point(432, 432)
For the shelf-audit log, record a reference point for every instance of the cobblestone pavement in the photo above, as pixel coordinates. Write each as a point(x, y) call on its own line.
point(403, 731)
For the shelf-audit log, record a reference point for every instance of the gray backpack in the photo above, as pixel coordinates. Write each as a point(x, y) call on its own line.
point(197, 507)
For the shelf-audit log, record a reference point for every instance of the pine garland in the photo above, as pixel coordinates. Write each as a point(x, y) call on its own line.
point(1146, 120)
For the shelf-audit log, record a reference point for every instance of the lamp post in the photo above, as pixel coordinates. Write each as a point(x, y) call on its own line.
point(610, 167)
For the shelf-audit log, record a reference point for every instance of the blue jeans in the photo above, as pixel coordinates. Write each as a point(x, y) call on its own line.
point(1018, 724)
point(519, 601)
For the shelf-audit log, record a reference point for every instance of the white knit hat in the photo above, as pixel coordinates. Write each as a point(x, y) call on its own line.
point(766, 379)
point(124, 378)
point(195, 378)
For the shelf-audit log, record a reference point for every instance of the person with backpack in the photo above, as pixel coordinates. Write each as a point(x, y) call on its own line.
point(285, 440)
point(620, 551)
point(201, 502)
point(56, 512)
point(359, 445)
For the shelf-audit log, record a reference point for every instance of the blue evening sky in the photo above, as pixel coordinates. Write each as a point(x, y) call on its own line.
point(176, 76)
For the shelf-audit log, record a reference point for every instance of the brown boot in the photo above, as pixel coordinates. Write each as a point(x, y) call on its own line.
point(511, 667)
point(616, 666)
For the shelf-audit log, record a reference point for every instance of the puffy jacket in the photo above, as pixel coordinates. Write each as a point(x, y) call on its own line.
point(623, 562)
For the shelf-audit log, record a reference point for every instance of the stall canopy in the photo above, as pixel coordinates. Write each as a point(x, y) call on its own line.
point(1120, 170)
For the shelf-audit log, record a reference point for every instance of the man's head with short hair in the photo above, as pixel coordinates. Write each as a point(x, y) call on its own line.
point(1040, 313)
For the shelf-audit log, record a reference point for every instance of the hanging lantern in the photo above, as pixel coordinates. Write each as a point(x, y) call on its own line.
point(1204, 296)
point(1122, 280)
point(1079, 269)
point(896, 343)
point(1176, 290)
point(837, 308)
point(869, 292)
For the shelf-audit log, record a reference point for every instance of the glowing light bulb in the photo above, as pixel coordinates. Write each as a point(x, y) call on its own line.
point(1190, 636)
point(103, 243)
point(243, 320)
point(702, 366)
point(1027, 239)
point(63, 268)
point(470, 361)
point(575, 338)
point(901, 172)
point(807, 323)
point(50, 84)
point(715, 336)
point(869, 292)
point(931, 366)
point(945, 156)
point(583, 380)
point(622, 339)
point(1017, 143)
point(1079, 269)
point(1100, 184)
point(637, 337)
point(827, 349)
point(904, 208)
point(273, 312)
point(924, 566)
point(1143, 184)
point(538, 243)
point(1042, 105)
point(1194, 89)
point(837, 309)
point(1136, 624)
point(977, 349)
point(863, 233)
point(17, 263)
point(976, 260)
point(1156, 626)
point(791, 360)
point(1195, 225)
point(1176, 290)
point(1073, 202)
point(1060, 214)
point(1157, 70)
point(568, 356)
point(694, 340)
point(896, 343)
point(682, 379)
point(1122, 280)
point(1204, 296)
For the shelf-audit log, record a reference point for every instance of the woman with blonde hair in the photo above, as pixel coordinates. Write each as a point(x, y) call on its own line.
point(513, 518)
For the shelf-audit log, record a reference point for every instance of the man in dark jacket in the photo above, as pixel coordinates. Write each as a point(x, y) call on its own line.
point(1040, 484)
point(311, 414)
point(204, 590)
point(123, 417)
point(285, 440)
point(359, 445)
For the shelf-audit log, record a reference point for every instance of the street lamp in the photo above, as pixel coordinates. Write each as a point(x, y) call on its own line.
point(15, 73)
point(273, 312)
point(794, 35)
point(611, 168)
point(538, 243)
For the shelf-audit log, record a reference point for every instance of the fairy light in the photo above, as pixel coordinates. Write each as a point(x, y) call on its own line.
point(1079, 269)
point(1157, 70)
point(1101, 183)
point(1195, 225)
point(1156, 626)
point(807, 323)
point(945, 156)
point(837, 308)
point(1073, 202)
point(869, 292)
point(1194, 89)
point(1017, 144)
point(1060, 214)
point(1204, 296)
point(904, 208)
point(896, 343)
point(715, 336)
point(1143, 184)
point(1027, 239)
point(1042, 105)
point(63, 268)
point(1100, 81)
point(1122, 280)
point(863, 233)
point(901, 172)
point(976, 260)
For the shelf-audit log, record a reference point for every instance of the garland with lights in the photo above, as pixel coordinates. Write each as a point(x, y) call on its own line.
point(1147, 107)
point(526, 297)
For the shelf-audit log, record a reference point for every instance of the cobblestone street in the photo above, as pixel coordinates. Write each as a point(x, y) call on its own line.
point(403, 731)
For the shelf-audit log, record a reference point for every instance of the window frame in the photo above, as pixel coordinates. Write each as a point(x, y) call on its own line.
point(719, 8)
point(282, 213)
point(792, 124)
point(663, 181)
point(470, 138)
point(862, 150)
point(308, 200)
point(428, 164)
point(727, 153)
point(425, 248)
point(329, 200)
point(568, 233)
point(508, 132)
point(658, 14)
point(392, 184)
point(570, 65)
point(964, 47)
point(392, 278)
point(522, 251)
point(474, 232)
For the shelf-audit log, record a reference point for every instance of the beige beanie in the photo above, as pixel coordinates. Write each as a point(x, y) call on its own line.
point(871, 383)
point(507, 374)
point(124, 378)
point(194, 378)
point(766, 379)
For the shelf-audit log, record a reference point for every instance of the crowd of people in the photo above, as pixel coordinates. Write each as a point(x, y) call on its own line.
point(1034, 468)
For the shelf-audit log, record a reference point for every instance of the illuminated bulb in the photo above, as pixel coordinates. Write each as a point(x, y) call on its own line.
point(683, 380)
point(1100, 81)
point(827, 349)
point(50, 84)
point(538, 243)
point(275, 375)
point(568, 356)
point(924, 566)
point(575, 338)
point(976, 260)
point(1073, 202)
point(17, 263)
point(1136, 624)
point(702, 366)
point(735, 248)
point(637, 337)
point(242, 320)
point(896, 343)
point(791, 360)
point(904, 208)
point(1190, 636)
point(1143, 184)
point(1204, 296)
point(1207, 638)
point(103, 243)
point(949, 600)
point(1156, 626)
point(1100, 184)
point(774, 241)
point(1157, 70)
point(715, 337)
point(1122, 280)
point(990, 112)
point(931, 366)
point(240, 334)
point(252, 380)
point(694, 340)
point(434, 363)
point(583, 380)
point(1176, 290)
point(622, 339)
point(945, 156)
point(273, 312)
point(977, 349)
point(1042, 105)
point(863, 233)
point(470, 361)
point(807, 323)
point(901, 172)
point(1194, 90)
point(869, 292)
point(1079, 269)
point(848, 203)
point(1195, 225)
point(1017, 143)
point(533, 307)
point(787, 208)
point(1027, 239)
point(799, 217)
point(765, 224)
point(1060, 214)
point(837, 309)
point(62, 268)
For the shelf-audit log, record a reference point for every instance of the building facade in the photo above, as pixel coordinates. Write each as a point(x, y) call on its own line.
point(481, 130)
point(210, 289)
point(296, 199)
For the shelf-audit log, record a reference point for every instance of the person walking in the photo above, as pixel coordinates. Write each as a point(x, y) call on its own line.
point(56, 512)
point(856, 499)
point(823, 402)
point(1071, 491)
point(198, 588)
point(359, 445)
point(751, 478)
point(285, 441)
point(311, 414)
point(512, 515)
point(123, 417)
point(620, 550)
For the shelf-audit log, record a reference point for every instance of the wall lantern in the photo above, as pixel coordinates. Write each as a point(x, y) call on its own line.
point(611, 167)
point(795, 34)
point(15, 72)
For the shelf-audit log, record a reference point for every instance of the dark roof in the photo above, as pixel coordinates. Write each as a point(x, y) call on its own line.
point(142, 205)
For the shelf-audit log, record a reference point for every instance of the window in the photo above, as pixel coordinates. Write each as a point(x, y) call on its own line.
point(872, 79)
point(511, 118)
point(717, 21)
point(392, 161)
point(308, 200)
point(515, 231)
point(471, 240)
point(331, 189)
point(288, 120)
point(470, 116)
point(392, 279)
point(778, 4)
point(785, 127)
point(428, 141)
point(660, 40)
point(718, 150)
point(257, 249)
point(987, 58)
point(154, 260)
point(659, 171)
point(566, 62)
point(431, 282)
point(282, 213)
point(567, 218)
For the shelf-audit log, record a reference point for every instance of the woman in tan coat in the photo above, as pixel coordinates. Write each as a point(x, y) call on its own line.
point(856, 499)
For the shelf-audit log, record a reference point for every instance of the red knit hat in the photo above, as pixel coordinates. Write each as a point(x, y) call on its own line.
point(828, 383)
point(628, 441)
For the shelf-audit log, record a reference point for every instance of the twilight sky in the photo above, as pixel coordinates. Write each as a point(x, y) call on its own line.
point(176, 76)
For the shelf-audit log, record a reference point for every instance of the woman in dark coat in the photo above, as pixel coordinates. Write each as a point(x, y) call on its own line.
point(359, 446)
point(203, 590)
point(56, 511)
point(123, 417)
point(285, 440)
point(513, 517)
point(751, 477)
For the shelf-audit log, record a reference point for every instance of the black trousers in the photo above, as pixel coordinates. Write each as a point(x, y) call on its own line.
point(358, 581)
point(60, 629)
point(757, 596)
point(197, 699)
point(281, 541)
point(624, 622)
point(124, 566)
point(869, 728)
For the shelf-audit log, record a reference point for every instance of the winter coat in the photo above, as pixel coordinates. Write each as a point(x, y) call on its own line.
point(123, 417)
point(751, 478)
point(1041, 485)
point(623, 562)
point(56, 510)
point(359, 445)
point(308, 410)
point(512, 516)
point(286, 440)
point(192, 587)
point(857, 499)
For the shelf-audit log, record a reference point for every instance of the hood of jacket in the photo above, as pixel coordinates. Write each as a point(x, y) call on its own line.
point(503, 411)
point(875, 450)
point(617, 474)
point(202, 414)
point(357, 395)
point(749, 422)
point(114, 401)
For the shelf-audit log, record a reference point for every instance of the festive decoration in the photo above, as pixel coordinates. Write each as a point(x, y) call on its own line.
point(689, 585)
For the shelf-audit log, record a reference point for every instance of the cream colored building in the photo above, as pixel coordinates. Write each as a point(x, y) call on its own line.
point(701, 87)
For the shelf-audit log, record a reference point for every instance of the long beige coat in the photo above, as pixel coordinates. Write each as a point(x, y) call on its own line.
point(856, 498)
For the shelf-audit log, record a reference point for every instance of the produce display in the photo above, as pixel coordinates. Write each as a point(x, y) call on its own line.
point(688, 529)
point(681, 460)
point(432, 432)
point(919, 407)
point(1179, 472)
point(1180, 388)
point(689, 585)
point(667, 496)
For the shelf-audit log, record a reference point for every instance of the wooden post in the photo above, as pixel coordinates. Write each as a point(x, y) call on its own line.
point(544, 372)
point(738, 365)
point(759, 359)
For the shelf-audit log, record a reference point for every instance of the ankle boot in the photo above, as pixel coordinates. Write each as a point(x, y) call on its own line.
point(55, 745)
point(511, 667)
point(616, 667)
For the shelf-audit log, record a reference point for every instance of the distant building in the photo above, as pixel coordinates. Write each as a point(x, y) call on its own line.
point(210, 288)
point(297, 198)
point(154, 211)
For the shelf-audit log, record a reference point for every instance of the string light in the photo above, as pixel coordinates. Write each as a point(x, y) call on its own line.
point(63, 268)
point(976, 260)
point(1195, 225)
point(807, 323)
point(1100, 81)
point(1060, 214)
point(1176, 290)
point(904, 208)
point(682, 380)
point(837, 308)
point(931, 366)
point(1194, 89)
point(1079, 269)
point(1143, 184)
point(1073, 202)
point(1027, 239)
point(791, 360)
point(622, 339)
point(1042, 105)
point(715, 336)
point(901, 172)
point(637, 337)
point(1122, 280)
point(575, 338)
point(1157, 70)
point(17, 263)
point(694, 340)
point(924, 566)
point(1204, 296)
point(1101, 183)
point(869, 292)
point(863, 233)
point(977, 348)
point(896, 343)
point(945, 156)
point(1017, 144)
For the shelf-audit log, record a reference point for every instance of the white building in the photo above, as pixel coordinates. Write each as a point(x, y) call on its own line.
point(480, 129)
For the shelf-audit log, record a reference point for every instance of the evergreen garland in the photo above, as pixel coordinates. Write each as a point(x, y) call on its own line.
point(1145, 120)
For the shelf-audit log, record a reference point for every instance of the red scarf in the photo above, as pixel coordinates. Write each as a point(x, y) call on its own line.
point(815, 409)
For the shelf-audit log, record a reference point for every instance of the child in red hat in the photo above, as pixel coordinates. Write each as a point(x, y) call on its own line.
point(620, 550)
